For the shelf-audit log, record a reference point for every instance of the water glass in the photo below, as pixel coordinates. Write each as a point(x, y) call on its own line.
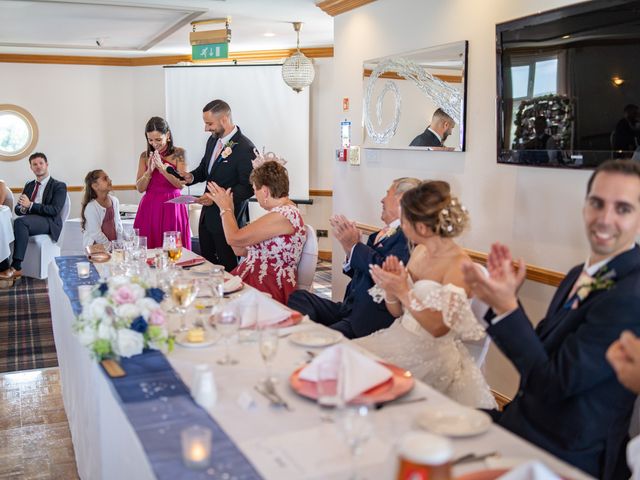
point(217, 282)
point(328, 390)
point(227, 324)
point(172, 245)
point(356, 424)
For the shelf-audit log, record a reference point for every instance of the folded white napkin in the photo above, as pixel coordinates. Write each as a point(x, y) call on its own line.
point(232, 284)
point(254, 307)
point(533, 470)
point(358, 372)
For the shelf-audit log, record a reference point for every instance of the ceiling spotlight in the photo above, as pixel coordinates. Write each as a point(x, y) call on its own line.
point(297, 70)
point(617, 81)
point(566, 36)
point(269, 34)
point(99, 42)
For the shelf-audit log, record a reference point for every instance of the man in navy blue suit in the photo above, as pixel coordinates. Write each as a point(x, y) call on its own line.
point(358, 315)
point(569, 401)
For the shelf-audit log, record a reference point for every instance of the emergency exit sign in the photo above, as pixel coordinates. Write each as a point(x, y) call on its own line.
point(209, 51)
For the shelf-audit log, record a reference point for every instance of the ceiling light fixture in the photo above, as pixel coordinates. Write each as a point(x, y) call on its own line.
point(617, 81)
point(269, 34)
point(297, 70)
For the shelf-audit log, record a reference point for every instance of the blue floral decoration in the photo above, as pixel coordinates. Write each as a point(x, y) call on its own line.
point(156, 294)
point(103, 288)
point(139, 324)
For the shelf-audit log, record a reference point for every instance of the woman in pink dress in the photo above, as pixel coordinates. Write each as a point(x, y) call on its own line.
point(272, 244)
point(155, 216)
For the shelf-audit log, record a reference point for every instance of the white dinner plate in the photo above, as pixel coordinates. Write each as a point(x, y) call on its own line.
point(454, 421)
point(209, 339)
point(316, 338)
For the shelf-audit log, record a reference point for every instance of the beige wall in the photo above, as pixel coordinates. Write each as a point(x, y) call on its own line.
point(535, 211)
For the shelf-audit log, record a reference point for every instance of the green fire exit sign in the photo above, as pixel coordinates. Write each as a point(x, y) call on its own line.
point(209, 51)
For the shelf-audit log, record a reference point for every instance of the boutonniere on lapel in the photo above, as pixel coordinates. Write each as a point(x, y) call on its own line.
point(228, 148)
point(604, 279)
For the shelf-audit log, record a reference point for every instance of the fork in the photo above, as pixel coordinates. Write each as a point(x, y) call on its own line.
point(270, 388)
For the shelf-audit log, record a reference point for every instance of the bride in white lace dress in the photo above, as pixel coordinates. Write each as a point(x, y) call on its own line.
point(430, 297)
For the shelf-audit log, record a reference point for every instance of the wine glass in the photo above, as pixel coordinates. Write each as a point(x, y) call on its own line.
point(268, 344)
point(328, 389)
point(357, 427)
point(183, 293)
point(227, 324)
point(172, 245)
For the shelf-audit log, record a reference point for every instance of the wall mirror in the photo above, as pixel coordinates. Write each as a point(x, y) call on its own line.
point(407, 97)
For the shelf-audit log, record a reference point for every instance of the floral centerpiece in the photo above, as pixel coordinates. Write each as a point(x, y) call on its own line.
point(121, 318)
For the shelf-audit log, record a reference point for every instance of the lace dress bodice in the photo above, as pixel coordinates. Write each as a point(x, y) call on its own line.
point(442, 362)
point(272, 265)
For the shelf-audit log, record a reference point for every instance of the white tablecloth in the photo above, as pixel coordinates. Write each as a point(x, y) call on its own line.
point(71, 241)
point(106, 447)
point(6, 232)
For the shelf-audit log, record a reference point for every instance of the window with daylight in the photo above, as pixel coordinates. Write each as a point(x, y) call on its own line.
point(18, 132)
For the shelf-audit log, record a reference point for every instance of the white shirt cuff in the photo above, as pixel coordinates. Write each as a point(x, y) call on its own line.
point(498, 318)
point(346, 266)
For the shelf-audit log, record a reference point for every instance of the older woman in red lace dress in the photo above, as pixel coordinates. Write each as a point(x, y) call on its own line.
point(272, 244)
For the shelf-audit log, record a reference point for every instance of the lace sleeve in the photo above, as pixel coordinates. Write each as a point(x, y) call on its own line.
point(450, 300)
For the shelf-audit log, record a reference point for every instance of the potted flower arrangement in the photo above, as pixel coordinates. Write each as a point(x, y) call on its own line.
point(122, 317)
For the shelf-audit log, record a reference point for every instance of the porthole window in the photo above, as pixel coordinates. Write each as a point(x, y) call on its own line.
point(18, 132)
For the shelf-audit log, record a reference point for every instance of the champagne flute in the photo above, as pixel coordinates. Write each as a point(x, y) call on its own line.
point(268, 344)
point(183, 293)
point(227, 324)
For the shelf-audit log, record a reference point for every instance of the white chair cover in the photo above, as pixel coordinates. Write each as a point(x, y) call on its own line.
point(41, 249)
point(308, 260)
point(9, 200)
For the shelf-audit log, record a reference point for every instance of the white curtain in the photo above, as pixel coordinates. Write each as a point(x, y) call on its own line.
point(266, 110)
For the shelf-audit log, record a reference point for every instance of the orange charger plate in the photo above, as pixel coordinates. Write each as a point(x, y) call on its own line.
point(399, 384)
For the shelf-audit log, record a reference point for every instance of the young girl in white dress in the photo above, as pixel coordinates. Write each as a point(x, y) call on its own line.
point(429, 296)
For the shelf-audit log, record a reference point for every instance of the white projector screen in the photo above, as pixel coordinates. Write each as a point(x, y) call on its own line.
point(263, 106)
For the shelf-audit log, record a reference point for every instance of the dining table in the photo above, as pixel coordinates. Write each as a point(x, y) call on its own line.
point(6, 232)
point(280, 443)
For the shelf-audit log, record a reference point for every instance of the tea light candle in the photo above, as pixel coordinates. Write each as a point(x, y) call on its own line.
point(84, 269)
point(196, 446)
point(84, 292)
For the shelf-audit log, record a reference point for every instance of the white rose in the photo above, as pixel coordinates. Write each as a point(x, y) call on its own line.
point(127, 310)
point(118, 281)
point(87, 335)
point(106, 331)
point(138, 291)
point(128, 343)
point(146, 305)
point(96, 309)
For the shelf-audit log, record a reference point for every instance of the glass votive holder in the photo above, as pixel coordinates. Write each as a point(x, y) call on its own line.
point(196, 446)
point(84, 292)
point(84, 269)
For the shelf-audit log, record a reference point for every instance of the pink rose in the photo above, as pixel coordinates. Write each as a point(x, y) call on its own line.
point(124, 294)
point(156, 317)
point(226, 152)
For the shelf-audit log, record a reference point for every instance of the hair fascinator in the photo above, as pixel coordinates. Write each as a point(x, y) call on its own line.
point(261, 158)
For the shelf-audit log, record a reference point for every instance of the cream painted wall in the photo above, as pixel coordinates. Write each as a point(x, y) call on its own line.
point(88, 116)
point(535, 211)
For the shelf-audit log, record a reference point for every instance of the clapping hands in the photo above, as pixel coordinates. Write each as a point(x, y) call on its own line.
point(218, 195)
point(345, 231)
point(499, 289)
point(392, 277)
point(624, 357)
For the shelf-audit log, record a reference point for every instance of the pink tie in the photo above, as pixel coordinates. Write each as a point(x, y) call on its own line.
point(216, 154)
point(381, 235)
point(583, 280)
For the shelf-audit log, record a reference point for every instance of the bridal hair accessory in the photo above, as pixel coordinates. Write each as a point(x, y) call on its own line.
point(452, 219)
point(261, 158)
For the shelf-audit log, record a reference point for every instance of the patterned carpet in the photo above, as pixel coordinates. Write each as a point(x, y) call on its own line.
point(322, 280)
point(26, 336)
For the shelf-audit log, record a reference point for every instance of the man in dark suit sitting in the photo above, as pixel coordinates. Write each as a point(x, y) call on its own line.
point(358, 315)
point(39, 212)
point(437, 132)
point(569, 401)
point(226, 161)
